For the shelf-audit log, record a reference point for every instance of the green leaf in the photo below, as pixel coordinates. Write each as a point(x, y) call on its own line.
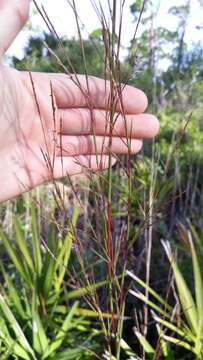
point(22, 244)
point(198, 241)
point(143, 298)
point(14, 257)
point(85, 312)
point(149, 289)
point(40, 341)
point(186, 299)
point(198, 284)
point(71, 354)
point(145, 344)
point(36, 241)
point(184, 333)
point(49, 266)
point(62, 333)
point(66, 248)
point(166, 350)
point(178, 342)
point(15, 326)
point(14, 296)
point(85, 290)
point(12, 347)
point(127, 349)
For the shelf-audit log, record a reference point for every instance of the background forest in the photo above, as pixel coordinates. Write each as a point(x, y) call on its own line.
point(61, 295)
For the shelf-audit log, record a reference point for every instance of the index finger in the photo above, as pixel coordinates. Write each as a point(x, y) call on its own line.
point(96, 93)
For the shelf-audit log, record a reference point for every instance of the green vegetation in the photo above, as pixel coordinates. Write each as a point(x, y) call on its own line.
point(109, 266)
point(187, 330)
point(39, 316)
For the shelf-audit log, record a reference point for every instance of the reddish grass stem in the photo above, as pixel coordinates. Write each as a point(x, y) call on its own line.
point(109, 238)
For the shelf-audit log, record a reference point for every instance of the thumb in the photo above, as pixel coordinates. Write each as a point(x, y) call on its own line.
point(13, 15)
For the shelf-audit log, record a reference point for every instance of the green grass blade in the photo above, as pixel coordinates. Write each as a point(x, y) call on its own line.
point(186, 299)
point(143, 298)
point(22, 244)
point(14, 296)
point(62, 333)
point(166, 350)
point(127, 349)
point(66, 248)
point(85, 290)
point(12, 347)
point(178, 342)
point(36, 241)
point(71, 354)
point(197, 240)
point(14, 257)
point(26, 300)
point(198, 284)
point(49, 267)
point(87, 313)
point(16, 327)
point(177, 330)
point(40, 341)
point(150, 290)
point(145, 344)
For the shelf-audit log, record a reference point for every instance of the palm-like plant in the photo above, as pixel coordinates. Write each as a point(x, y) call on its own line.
point(40, 315)
point(187, 334)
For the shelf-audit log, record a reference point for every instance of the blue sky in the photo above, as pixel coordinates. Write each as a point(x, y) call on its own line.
point(63, 19)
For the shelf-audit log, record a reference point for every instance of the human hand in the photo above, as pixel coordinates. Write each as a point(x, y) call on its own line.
point(47, 127)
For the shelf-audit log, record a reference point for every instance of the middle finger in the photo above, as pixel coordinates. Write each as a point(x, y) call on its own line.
point(89, 145)
point(87, 122)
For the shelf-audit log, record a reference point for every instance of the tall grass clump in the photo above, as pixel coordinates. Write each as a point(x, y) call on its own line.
point(40, 310)
point(180, 324)
point(83, 271)
point(38, 321)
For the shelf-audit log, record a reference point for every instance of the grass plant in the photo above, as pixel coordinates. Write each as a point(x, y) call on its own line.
point(66, 251)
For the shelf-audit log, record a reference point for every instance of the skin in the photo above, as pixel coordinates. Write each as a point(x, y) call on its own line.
point(47, 126)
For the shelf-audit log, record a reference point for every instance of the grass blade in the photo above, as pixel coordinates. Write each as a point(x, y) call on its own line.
point(143, 298)
point(198, 284)
point(14, 257)
point(127, 349)
point(12, 346)
point(145, 344)
point(178, 342)
point(150, 290)
point(84, 291)
point(56, 343)
point(49, 267)
point(22, 244)
point(169, 325)
point(40, 341)
point(36, 241)
point(15, 326)
point(67, 246)
point(186, 299)
point(14, 296)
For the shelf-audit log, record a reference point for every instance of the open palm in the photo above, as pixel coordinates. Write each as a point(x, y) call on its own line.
point(47, 127)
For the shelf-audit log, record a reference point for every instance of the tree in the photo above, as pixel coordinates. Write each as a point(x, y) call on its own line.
point(39, 55)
